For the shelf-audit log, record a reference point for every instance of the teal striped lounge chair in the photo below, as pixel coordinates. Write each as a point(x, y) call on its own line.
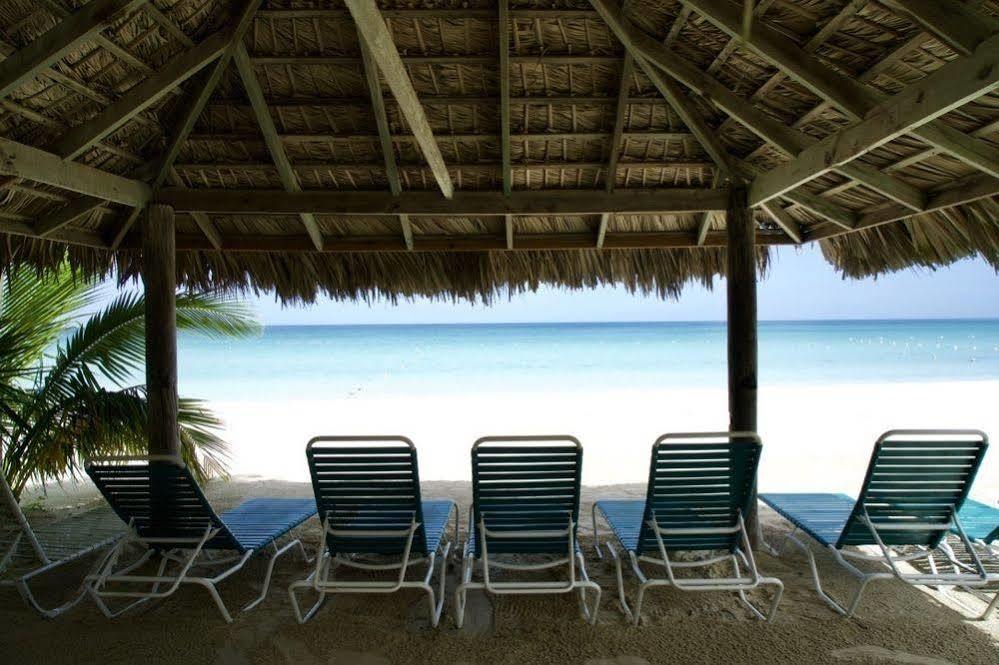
point(28, 551)
point(700, 487)
point(374, 519)
point(170, 519)
point(916, 484)
point(525, 501)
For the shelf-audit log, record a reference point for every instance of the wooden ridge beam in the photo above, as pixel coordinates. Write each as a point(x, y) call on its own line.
point(372, 29)
point(274, 146)
point(53, 45)
point(503, 31)
point(647, 135)
point(467, 243)
point(430, 13)
point(949, 87)
point(78, 139)
point(541, 59)
point(30, 163)
point(468, 166)
point(955, 24)
point(431, 204)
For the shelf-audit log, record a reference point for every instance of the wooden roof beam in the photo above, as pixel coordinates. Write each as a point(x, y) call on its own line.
point(946, 89)
point(956, 24)
point(274, 146)
point(614, 147)
point(431, 204)
point(78, 139)
point(53, 45)
point(470, 243)
point(384, 135)
point(371, 27)
point(30, 163)
point(847, 94)
point(503, 30)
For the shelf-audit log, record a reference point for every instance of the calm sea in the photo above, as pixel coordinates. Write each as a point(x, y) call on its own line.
point(317, 362)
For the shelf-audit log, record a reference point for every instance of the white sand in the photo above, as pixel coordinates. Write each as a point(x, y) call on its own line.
point(816, 438)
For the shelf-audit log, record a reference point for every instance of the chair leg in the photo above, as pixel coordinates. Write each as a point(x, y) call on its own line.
point(763, 581)
point(589, 612)
point(847, 611)
point(621, 598)
point(461, 593)
point(270, 571)
point(309, 583)
point(214, 593)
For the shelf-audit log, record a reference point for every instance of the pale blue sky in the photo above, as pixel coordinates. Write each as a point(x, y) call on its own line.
point(800, 285)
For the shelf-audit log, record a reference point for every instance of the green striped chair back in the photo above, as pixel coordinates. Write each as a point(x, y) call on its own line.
point(525, 483)
point(916, 477)
point(365, 484)
point(698, 481)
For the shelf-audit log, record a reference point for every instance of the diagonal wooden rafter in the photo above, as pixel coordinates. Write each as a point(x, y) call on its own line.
point(189, 115)
point(51, 46)
point(371, 26)
point(954, 23)
point(850, 96)
point(949, 87)
point(263, 116)
point(71, 212)
point(78, 139)
point(385, 136)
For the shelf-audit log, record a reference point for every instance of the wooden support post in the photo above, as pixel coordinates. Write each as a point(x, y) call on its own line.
point(742, 342)
point(159, 278)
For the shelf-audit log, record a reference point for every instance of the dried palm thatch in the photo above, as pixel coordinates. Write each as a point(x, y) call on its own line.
point(584, 114)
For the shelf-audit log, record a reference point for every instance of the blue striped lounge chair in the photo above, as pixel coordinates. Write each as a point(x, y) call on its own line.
point(29, 551)
point(374, 519)
point(916, 484)
point(700, 488)
point(525, 502)
point(170, 519)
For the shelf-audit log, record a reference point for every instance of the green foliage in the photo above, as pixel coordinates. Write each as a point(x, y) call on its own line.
point(64, 396)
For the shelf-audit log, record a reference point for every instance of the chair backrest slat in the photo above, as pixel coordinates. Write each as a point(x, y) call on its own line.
point(364, 484)
point(915, 476)
point(526, 483)
point(160, 498)
point(701, 480)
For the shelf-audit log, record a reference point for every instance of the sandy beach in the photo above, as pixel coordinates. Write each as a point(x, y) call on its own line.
point(816, 438)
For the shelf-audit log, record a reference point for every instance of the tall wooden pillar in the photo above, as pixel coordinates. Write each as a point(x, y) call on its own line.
point(159, 277)
point(742, 337)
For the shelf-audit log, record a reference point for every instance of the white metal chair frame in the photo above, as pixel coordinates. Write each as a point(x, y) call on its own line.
point(975, 576)
point(187, 554)
point(22, 582)
point(738, 583)
point(104, 572)
point(989, 551)
point(573, 559)
point(322, 583)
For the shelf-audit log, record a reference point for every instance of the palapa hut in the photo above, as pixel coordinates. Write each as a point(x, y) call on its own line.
point(463, 148)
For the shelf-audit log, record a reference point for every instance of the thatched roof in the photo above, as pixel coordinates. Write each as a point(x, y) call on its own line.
point(722, 107)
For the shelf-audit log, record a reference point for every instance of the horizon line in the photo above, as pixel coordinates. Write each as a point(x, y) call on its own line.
point(636, 321)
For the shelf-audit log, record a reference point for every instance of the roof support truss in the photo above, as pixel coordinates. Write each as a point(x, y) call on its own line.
point(954, 23)
point(947, 88)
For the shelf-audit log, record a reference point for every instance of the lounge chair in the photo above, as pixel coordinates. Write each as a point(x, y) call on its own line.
point(915, 485)
point(368, 494)
point(169, 517)
point(27, 551)
point(700, 488)
point(525, 501)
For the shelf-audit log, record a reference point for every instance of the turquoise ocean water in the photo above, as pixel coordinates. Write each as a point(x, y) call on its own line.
point(319, 362)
